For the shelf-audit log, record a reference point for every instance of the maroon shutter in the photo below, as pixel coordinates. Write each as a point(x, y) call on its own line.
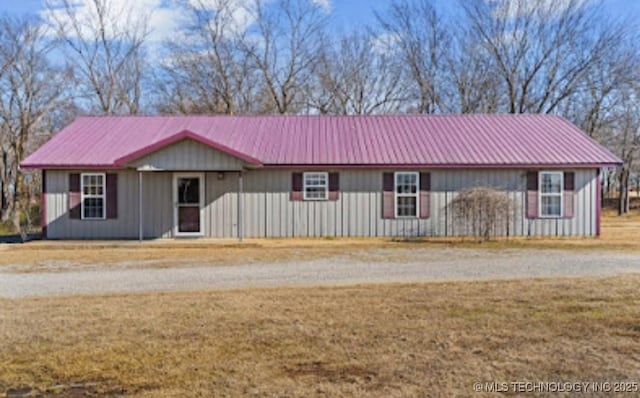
point(112, 195)
point(43, 204)
point(75, 196)
point(425, 189)
point(296, 186)
point(388, 208)
point(334, 186)
point(532, 194)
point(569, 188)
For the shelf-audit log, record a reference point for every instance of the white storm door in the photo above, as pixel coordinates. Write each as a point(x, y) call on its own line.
point(188, 200)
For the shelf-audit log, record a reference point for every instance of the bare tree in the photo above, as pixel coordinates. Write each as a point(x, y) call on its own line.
point(543, 50)
point(30, 90)
point(359, 77)
point(605, 106)
point(472, 86)
point(627, 142)
point(105, 49)
point(283, 44)
point(205, 70)
point(418, 32)
point(6, 59)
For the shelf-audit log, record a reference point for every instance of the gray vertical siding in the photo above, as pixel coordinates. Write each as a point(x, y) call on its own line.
point(158, 205)
point(268, 212)
point(61, 226)
point(189, 155)
point(221, 205)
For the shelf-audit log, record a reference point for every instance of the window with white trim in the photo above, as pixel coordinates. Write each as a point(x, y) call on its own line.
point(93, 196)
point(315, 185)
point(406, 188)
point(550, 190)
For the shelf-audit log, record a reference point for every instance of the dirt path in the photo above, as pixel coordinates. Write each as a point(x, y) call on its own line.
point(374, 266)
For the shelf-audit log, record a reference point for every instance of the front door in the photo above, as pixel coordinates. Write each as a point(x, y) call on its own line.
point(188, 199)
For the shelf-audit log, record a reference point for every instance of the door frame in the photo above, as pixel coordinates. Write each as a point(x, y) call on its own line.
point(201, 177)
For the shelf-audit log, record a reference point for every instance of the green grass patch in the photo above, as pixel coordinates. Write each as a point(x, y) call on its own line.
point(6, 228)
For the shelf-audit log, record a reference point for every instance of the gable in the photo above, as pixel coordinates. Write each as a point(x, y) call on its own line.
point(188, 154)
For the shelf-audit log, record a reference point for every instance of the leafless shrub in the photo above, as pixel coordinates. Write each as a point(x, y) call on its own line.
point(483, 212)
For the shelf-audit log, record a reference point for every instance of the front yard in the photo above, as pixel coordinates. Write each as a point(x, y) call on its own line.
point(618, 233)
point(378, 340)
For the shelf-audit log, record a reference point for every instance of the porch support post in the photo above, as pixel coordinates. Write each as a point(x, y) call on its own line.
point(140, 216)
point(240, 207)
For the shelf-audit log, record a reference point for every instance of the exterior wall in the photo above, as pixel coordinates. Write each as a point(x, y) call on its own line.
point(190, 155)
point(358, 212)
point(60, 226)
point(268, 211)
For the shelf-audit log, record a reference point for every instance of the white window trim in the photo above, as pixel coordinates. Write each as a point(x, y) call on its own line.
point(541, 194)
point(103, 196)
point(326, 185)
point(396, 195)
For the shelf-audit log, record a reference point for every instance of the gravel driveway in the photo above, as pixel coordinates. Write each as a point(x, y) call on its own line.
point(432, 264)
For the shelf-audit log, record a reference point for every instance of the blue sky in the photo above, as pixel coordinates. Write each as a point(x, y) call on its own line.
point(344, 15)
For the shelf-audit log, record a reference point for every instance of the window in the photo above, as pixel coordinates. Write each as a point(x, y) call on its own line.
point(93, 196)
point(406, 194)
point(551, 185)
point(316, 186)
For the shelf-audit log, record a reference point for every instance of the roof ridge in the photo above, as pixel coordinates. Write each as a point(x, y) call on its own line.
point(386, 115)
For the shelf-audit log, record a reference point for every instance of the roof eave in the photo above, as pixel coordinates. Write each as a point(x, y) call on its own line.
point(596, 165)
point(49, 166)
point(353, 166)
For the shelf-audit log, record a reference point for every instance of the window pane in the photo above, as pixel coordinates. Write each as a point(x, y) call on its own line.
point(92, 189)
point(100, 183)
point(315, 185)
point(406, 183)
point(406, 206)
point(551, 206)
point(188, 190)
point(551, 183)
point(86, 184)
point(316, 193)
point(315, 179)
point(92, 185)
point(93, 207)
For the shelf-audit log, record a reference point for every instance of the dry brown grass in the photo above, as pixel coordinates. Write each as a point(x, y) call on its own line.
point(375, 341)
point(61, 256)
point(618, 233)
point(621, 229)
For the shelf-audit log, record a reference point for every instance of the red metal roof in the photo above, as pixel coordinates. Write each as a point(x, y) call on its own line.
point(363, 141)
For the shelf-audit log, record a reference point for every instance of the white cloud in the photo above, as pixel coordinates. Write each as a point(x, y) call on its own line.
point(163, 24)
point(385, 43)
point(163, 18)
point(510, 9)
point(121, 14)
point(237, 11)
point(324, 4)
